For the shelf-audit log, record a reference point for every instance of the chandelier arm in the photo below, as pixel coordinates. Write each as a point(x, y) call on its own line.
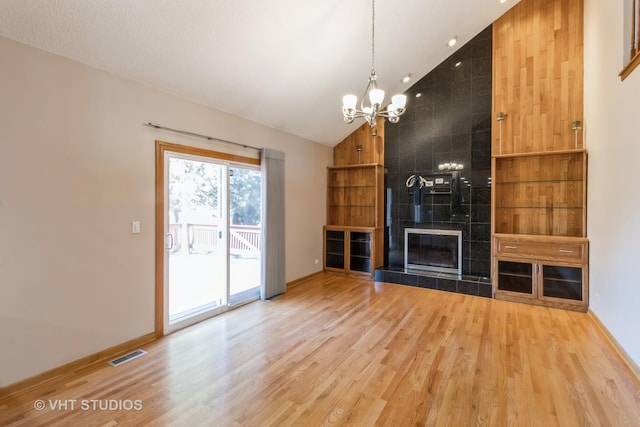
point(371, 85)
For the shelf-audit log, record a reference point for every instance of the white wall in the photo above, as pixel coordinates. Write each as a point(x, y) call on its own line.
point(76, 167)
point(612, 131)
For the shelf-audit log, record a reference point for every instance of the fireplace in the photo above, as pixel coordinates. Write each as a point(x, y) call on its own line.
point(433, 250)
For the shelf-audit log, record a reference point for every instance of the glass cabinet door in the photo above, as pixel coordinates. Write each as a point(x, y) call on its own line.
point(334, 256)
point(360, 251)
point(515, 277)
point(562, 282)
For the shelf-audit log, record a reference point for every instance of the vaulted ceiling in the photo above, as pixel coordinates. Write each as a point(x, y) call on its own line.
point(283, 63)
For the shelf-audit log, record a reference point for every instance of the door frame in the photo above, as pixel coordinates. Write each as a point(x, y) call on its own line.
point(161, 148)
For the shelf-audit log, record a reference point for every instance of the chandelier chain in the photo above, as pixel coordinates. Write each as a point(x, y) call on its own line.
point(373, 35)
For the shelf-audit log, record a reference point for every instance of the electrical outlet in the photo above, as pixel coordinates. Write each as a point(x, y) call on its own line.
point(135, 227)
point(316, 261)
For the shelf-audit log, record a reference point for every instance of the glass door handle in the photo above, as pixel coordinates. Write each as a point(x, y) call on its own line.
point(168, 241)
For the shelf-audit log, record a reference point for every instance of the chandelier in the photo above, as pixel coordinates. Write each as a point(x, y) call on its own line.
point(373, 94)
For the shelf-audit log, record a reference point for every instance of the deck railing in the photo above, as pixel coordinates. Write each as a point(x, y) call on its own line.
point(244, 238)
point(202, 238)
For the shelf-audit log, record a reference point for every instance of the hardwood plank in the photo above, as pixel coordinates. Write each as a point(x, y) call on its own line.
point(345, 351)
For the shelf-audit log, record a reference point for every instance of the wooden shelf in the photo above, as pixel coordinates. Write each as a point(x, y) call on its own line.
point(360, 166)
point(539, 153)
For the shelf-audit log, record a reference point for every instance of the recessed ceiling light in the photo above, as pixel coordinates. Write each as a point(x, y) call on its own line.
point(406, 78)
point(453, 41)
point(503, 1)
point(459, 63)
point(418, 95)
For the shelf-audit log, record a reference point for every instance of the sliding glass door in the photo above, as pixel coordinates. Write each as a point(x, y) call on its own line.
point(245, 233)
point(212, 237)
point(196, 237)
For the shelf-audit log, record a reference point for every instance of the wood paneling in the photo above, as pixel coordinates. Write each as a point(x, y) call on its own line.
point(337, 350)
point(346, 153)
point(538, 76)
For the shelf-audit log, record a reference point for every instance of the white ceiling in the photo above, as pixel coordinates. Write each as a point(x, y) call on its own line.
point(282, 63)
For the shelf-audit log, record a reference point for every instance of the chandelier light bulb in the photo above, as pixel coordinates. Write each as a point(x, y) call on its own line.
point(399, 102)
point(376, 96)
point(349, 102)
point(393, 117)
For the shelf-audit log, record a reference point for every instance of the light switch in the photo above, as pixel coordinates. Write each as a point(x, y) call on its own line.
point(135, 227)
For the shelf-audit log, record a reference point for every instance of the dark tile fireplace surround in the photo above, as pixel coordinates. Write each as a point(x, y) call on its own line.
point(449, 122)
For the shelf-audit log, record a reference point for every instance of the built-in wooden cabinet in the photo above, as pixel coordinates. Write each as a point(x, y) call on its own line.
point(352, 250)
point(544, 270)
point(540, 252)
point(353, 236)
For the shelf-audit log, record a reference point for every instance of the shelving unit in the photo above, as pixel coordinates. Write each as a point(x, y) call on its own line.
point(354, 234)
point(354, 195)
point(541, 193)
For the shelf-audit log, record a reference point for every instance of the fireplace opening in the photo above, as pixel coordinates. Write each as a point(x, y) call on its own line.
point(433, 250)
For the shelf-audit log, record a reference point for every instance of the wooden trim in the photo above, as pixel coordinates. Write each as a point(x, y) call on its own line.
point(161, 148)
point(540, 153)
point(364, 165)
point(303, 279)
point(617, 348)
point(634, 44)
point(203, 152)
point(160, 212)
point(634, 54)
point(635, 61)
point(636, 27)
point(350, 228)
point(73, 368)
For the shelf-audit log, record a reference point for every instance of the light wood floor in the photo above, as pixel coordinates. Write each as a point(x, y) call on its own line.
point(342, 351)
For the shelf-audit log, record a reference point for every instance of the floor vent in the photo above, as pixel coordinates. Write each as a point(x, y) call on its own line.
point(130, 356)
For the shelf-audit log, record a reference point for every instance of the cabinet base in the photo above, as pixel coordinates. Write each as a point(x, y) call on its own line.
point(543, 303)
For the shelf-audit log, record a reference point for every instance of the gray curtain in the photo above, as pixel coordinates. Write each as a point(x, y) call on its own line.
point(273, 276)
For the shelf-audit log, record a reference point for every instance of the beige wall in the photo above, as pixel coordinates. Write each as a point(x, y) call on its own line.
point(76, 167)
point(612, 131)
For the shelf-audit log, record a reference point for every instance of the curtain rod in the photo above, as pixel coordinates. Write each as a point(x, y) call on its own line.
point(209, 138)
